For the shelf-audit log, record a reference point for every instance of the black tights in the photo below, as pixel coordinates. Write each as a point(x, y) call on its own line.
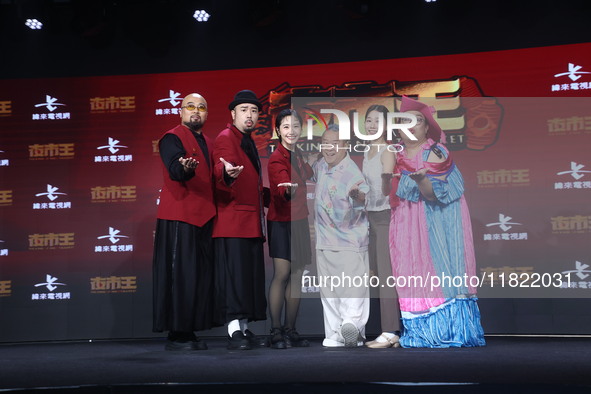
point(282, 291)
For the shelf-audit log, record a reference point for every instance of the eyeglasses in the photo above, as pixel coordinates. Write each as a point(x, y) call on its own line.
point(408, 120)
point(192, 107)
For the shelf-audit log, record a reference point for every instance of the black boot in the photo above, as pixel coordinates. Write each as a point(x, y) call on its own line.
point(276, 339)
point(292, 338)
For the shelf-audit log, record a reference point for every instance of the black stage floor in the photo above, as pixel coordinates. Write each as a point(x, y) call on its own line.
point(509, 364)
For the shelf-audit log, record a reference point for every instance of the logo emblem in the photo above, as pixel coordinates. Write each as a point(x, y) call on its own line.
point(173, 99)
point(50, 103)
point(580, 270)
point(113, 235)
point(51, 283)
point(112, 146)
point(51, 193)
point(575, 171)
point(573, 72)
point(504, 222)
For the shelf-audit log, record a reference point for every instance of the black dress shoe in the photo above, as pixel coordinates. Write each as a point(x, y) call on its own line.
point(238, 341)
point(185, 345)
point(256, 341)
point(184, 340)
point(199, 344)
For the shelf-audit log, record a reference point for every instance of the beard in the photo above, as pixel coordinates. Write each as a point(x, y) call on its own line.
point(249, 129)
point(195, 125)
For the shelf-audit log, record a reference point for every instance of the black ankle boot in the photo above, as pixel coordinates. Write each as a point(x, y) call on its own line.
point(292, 338)
point(276, 339)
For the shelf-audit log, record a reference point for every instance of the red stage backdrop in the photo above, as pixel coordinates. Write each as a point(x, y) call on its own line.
point(80, 177)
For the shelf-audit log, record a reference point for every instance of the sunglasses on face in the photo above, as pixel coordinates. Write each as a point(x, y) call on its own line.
point(193, 107)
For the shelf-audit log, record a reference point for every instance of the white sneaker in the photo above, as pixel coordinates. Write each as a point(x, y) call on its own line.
point(350, 334)
point(327, 342)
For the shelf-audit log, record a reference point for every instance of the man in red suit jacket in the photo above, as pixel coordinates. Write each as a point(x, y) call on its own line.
point(239, 227)
point(183, 245)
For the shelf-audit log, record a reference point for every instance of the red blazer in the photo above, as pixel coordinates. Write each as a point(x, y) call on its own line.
point(280, 171)
point(239, 205)
point(189, 201)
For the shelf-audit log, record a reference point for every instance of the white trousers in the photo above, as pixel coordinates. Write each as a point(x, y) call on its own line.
point(348, 302)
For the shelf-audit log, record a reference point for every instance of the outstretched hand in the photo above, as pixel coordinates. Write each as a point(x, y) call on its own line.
point(232, 170)
point(291, 187)
point(418, 175)
point(357, 194)
point(189, 164)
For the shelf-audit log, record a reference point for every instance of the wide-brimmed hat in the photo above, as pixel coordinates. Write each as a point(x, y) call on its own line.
point(435, 132)
point(245, 96)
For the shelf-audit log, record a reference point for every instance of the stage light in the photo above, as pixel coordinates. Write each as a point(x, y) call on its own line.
point(201, 16)
point(34, 24)
point(430, 1)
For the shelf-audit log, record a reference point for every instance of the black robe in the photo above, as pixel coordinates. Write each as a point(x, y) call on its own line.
point(183, 262)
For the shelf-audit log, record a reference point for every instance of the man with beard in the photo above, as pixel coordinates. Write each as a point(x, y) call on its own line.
point(239, 227)
point(183, 247)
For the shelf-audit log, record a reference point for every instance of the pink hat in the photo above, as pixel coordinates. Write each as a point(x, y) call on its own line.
point(435, 132)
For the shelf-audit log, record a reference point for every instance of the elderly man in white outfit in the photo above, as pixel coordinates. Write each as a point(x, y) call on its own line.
point(341, 243)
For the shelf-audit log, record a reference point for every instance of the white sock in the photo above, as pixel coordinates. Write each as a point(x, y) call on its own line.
point(244, 325)
point(233, 326)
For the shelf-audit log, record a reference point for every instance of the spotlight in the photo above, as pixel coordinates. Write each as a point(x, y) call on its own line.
point(34, 24)
point(201, 16)
point(430, 1)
